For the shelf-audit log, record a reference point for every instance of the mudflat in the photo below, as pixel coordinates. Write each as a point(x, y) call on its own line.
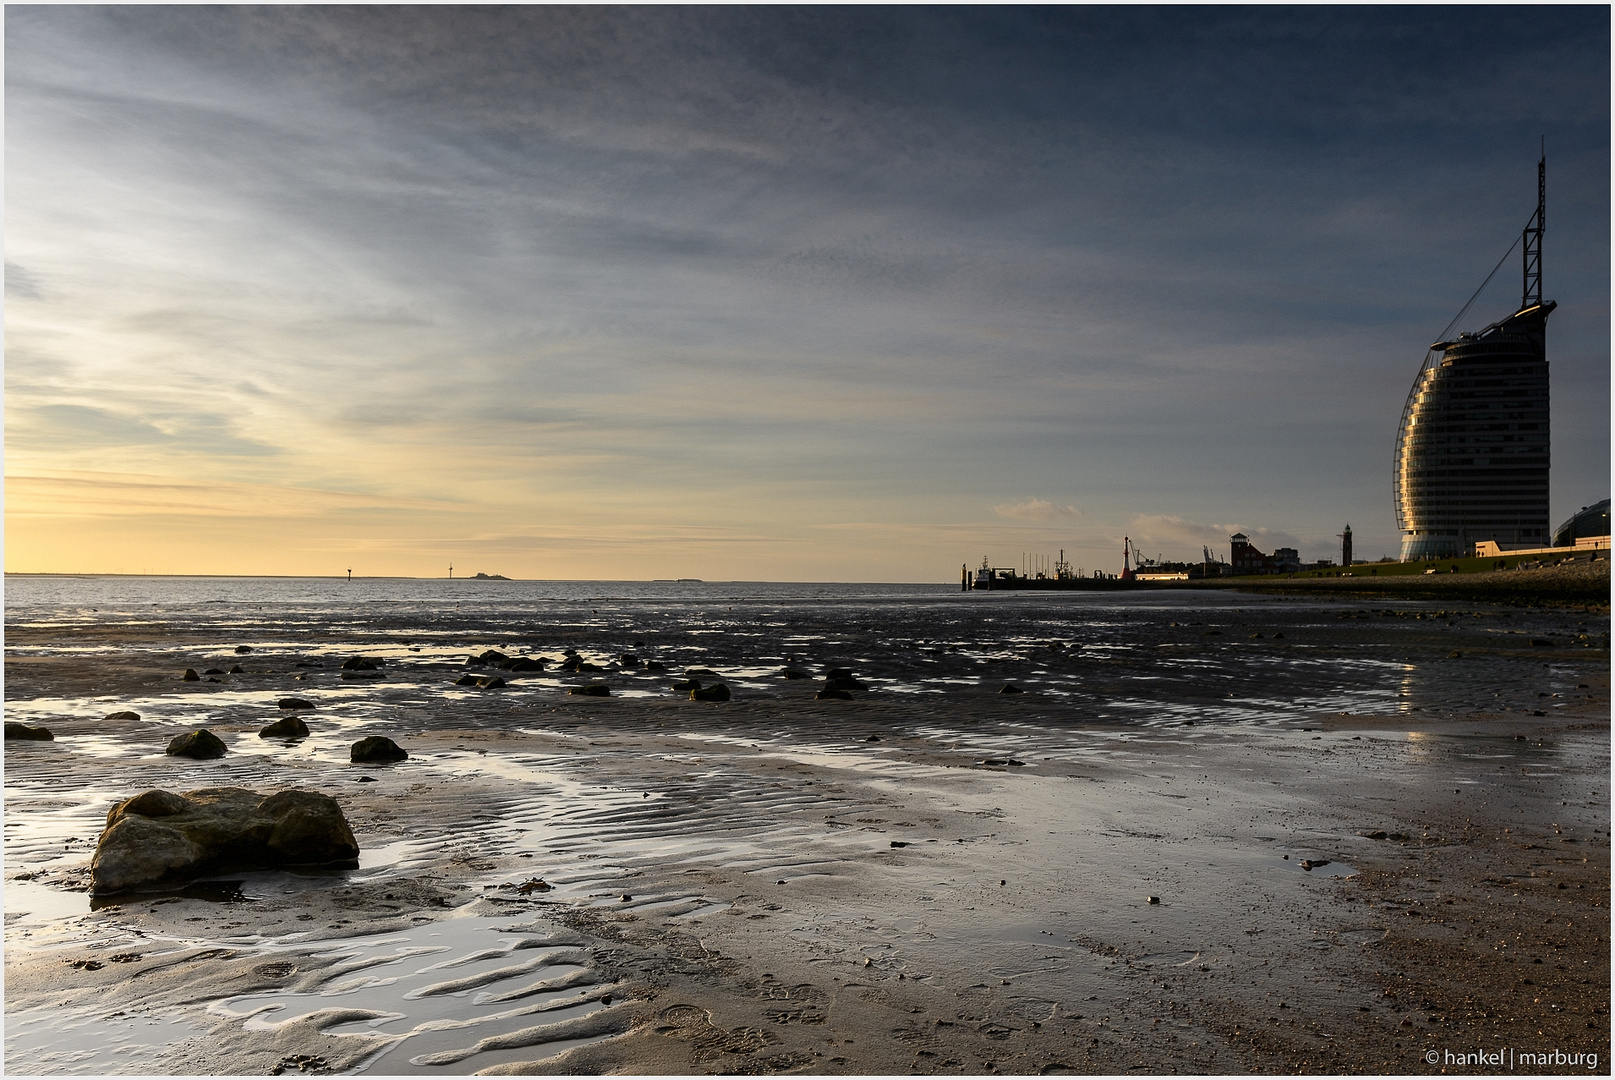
point(1213, 834)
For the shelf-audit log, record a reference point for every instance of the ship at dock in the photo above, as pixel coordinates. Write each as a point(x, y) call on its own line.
point(1061, 576)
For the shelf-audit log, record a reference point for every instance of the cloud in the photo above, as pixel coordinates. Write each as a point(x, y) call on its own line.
point(1035, 510)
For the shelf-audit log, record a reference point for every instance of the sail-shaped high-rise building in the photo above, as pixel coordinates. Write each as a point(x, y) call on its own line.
point(1472, 449)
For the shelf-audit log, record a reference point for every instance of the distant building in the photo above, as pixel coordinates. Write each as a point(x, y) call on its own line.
point(1244, 558)
point(1589, 521)
point(1472, 448)
point(1345, 546)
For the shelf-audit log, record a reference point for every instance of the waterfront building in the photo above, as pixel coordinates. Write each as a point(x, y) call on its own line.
point(1472, 448)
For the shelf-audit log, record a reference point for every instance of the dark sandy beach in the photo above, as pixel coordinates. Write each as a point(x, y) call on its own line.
point(933, 877)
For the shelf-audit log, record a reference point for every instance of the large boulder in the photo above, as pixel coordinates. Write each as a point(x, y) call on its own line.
point(28, 732)
point(201, 744)
point(159, 839)
point(376, 750)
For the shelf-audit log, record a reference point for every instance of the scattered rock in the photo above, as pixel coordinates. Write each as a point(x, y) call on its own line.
point(243, 650)
point(533, 885)
point(527, 663)
point(655, 665)
point(715, 692)
point(295, 703)
point(237, 669)
point(832, 695)
point(201, 744)
point(366, 780)
point(900, 843)
point(795, 673)
point(687, 685)
point(287, 727)
point(702, 671)
point(490, 682)
point(213, 671)
point(159, 837)
point(841, 679)
point(29, 733)
point(124, 715)
point(466, 680)
point(592, 690)
point(629, 660)
point(190, 676)
point(1155, 899)
point(871, 738)
point(1309, 864)
point(1010, 688)
point(494, 657)
point(1377, 834)
point(360, 663)
point(376, 750)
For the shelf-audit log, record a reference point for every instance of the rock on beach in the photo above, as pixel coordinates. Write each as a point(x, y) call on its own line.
point(28, 732)
point(287, 727)
point(376, 750)
point(201, 744)
point(159, 838)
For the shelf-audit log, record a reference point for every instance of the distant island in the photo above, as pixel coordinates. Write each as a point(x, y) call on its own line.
point(489, 577)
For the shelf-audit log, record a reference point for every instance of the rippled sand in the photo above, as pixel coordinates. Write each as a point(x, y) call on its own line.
point(933, 877)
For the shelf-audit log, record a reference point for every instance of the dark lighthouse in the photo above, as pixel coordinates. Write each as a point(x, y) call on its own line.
point(1472, 449)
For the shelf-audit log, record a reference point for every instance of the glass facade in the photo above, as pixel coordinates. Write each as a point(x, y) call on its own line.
point(1472, 449)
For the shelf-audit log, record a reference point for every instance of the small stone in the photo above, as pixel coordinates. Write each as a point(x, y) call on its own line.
point(237, 669)
point(287, 727)
point(687, 685)
point(490, 682)
point(28, 733)
point(213, 671)
point(201, 744)
point(1155, 899)
point(466, 680)
point(190, 676)
point(124, 715)
point(295, 703)
point(376, 749)
point(715, 692)
point(592, 690)
point(626, 898)
point(795, 673)
point(243, 650)
point(1010, 688)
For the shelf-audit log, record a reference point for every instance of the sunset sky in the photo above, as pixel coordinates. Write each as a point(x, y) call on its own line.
point(766, 293)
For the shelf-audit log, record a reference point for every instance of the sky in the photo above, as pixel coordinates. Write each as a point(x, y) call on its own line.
point(839, 293)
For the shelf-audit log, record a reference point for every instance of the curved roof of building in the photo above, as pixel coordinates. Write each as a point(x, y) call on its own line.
point(1588, 521)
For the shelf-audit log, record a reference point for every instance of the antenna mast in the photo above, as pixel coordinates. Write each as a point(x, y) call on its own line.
point(1533, 239)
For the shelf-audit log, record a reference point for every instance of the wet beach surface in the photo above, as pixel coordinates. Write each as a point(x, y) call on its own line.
point(1363, 826)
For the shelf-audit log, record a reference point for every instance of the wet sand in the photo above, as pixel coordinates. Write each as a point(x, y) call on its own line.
point(948, 882)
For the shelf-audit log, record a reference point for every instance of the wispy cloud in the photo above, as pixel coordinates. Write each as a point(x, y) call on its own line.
point(1035, 510)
